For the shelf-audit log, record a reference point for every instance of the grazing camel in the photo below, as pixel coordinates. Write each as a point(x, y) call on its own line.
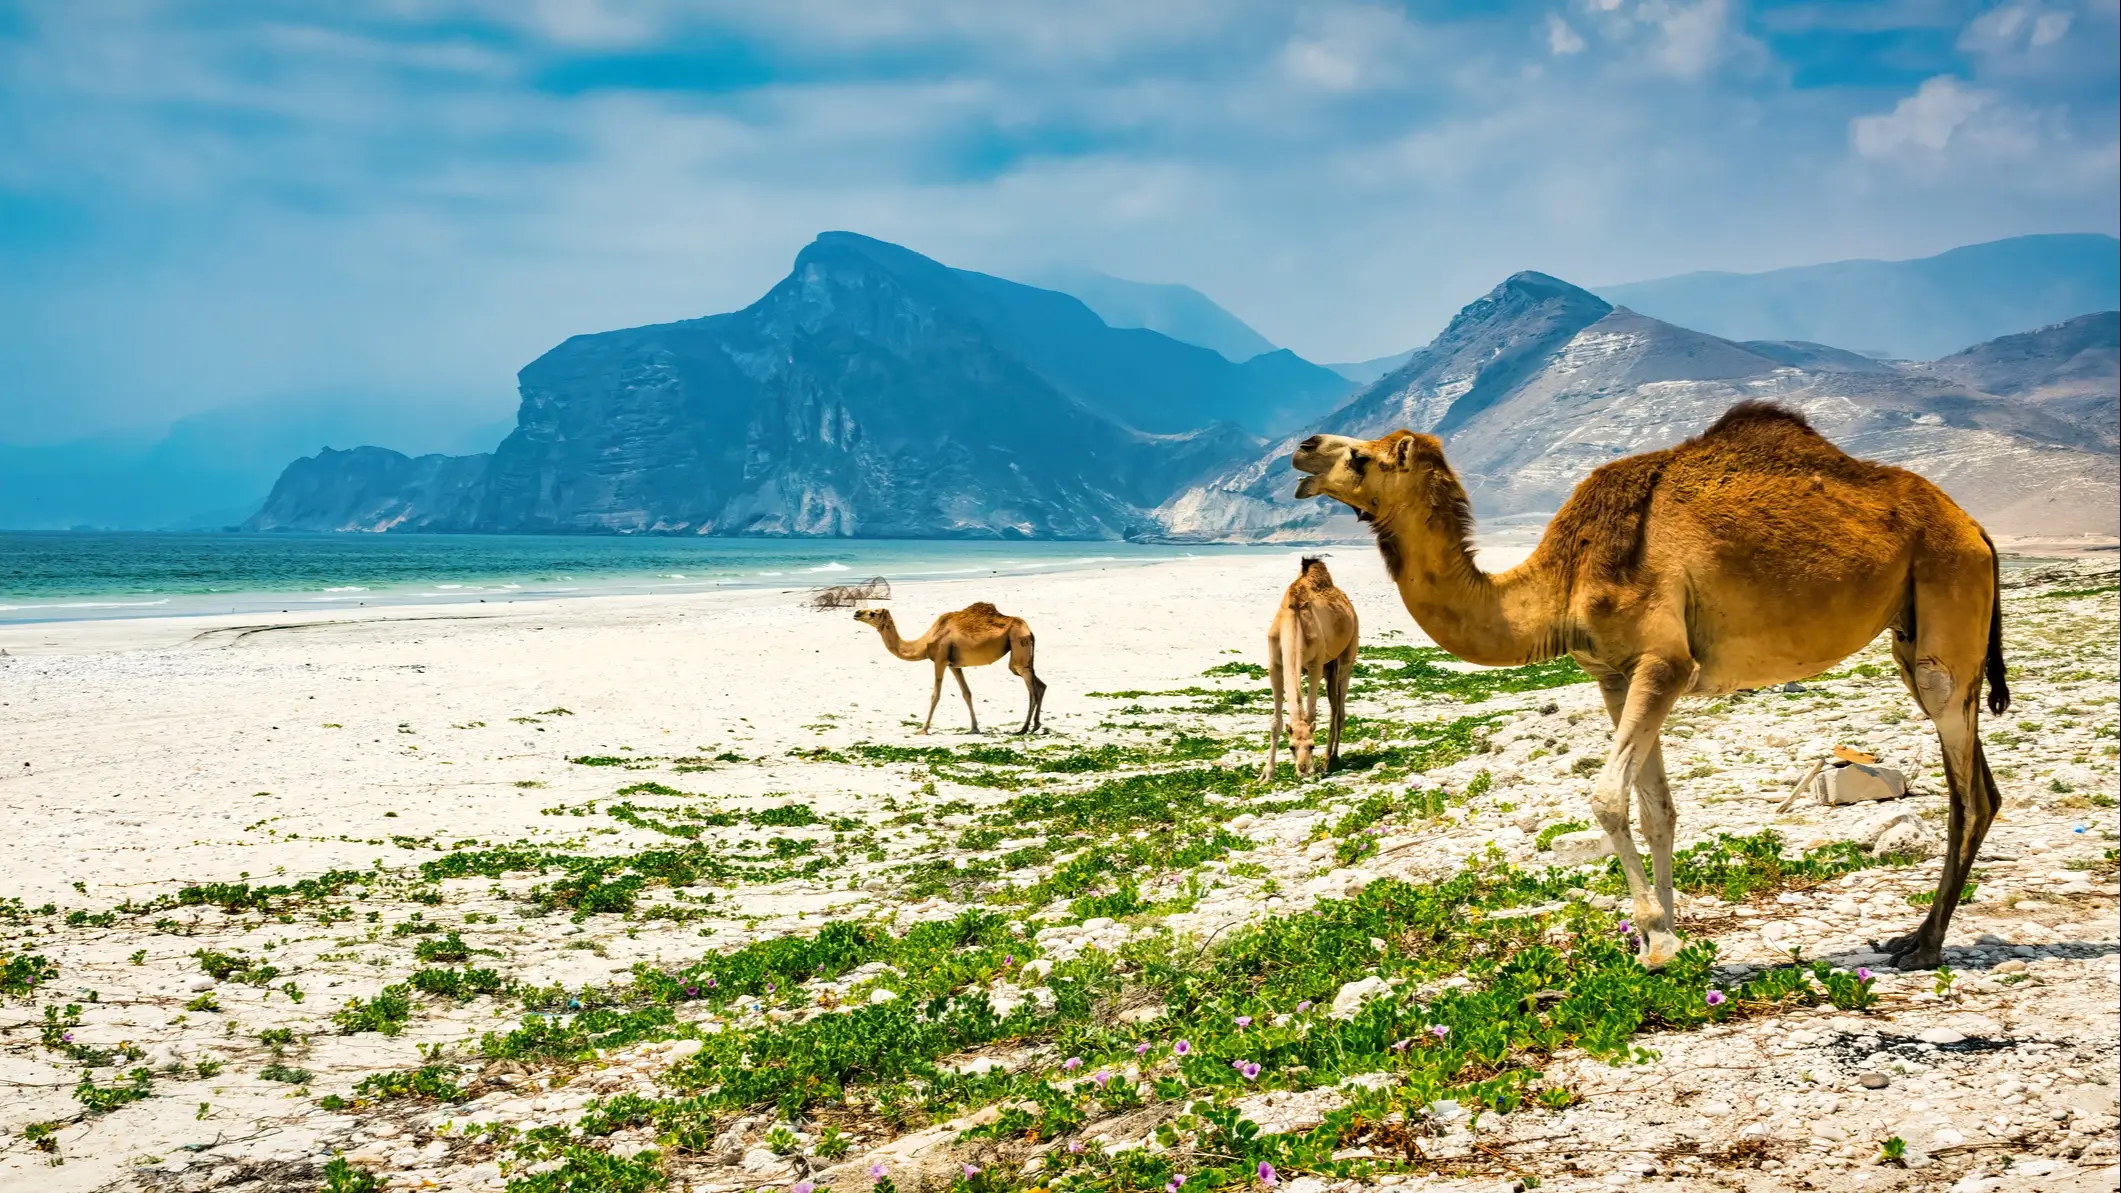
point(974, 636)
point(1752, 554)
point(1312, 637)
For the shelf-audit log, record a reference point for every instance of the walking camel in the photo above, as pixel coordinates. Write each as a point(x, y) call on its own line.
point(1752, 554)
point(974, 636)
point(1312, 638)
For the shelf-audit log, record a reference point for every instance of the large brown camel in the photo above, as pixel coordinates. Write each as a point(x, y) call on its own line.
point(1753, 554)
point(974, 636)
point(1311, 639)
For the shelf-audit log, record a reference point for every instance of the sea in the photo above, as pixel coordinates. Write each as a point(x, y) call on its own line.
point(90, 575)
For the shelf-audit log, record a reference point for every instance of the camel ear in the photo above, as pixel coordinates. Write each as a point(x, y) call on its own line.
point(1403, 452)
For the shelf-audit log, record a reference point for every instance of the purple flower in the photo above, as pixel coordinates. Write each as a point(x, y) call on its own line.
point(1075, 1147)
point(876, 1171)
point(769, 987)
point(803, 1187)
point(1177, 1179)
point(1072, 1063)
point(1142, 1049)
point(692, 991)
point(711, 983)
point(971, 1170)
point(1626, 928)
point(1715, 998)
point(1101, 1077)
point(1182, 1047)
point(1267, 1176)
point(1249, 1069)
point(1303, 1006)
point(1243, 1021)
point(1008, 960)
point(1401, 1045)
point(1863, 975)
point(67, 1037)
point(1439, 1031)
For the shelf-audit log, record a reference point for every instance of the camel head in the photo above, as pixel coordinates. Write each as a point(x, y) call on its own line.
point(876, 617)
point(1303, 738)
point(1370, 476)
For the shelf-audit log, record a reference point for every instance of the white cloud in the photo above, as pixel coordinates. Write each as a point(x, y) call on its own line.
point(1561, 38)
point(1350, 47)
point(1925, 120)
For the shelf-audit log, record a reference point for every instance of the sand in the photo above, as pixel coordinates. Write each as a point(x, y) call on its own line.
point(140, 756)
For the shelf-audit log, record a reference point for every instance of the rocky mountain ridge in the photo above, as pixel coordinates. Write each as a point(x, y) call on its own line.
point(1539, 382)
point(871, 392)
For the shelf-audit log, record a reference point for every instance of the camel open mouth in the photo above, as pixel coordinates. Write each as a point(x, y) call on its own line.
point(1309, 486)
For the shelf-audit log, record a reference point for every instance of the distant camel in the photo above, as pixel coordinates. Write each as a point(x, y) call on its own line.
point(1752, 554)
point(974, 636)
point(1312, 638)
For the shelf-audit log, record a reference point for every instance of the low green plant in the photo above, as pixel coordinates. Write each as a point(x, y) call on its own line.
point(341, 1177)
point(387, 1012)
point(286, 1073)
point(138, 1085)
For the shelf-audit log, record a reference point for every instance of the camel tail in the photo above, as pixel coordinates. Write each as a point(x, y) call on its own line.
point(1999, 692)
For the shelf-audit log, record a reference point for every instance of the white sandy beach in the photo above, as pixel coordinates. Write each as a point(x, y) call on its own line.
point(139, 756)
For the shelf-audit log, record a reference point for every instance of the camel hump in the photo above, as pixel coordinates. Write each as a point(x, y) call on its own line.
point(1755, 415)
point(983, 609)
point(1314, 569)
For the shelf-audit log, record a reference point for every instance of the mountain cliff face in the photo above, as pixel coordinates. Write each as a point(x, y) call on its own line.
point(1539, 382)
point(871, 392)
point(373, 488)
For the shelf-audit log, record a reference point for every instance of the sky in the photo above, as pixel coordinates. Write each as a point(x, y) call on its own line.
point(235, 203)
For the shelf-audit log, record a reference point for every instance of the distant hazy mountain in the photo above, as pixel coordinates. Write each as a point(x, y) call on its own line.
point(1538, 382)
point(209, 470)
point(871, 392)
point(1181, 312)
point(1913, 310)
point(1363, 372)
point(2067, 368)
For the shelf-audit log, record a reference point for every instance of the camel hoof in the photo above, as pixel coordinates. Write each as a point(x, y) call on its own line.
point(1658, 950)
point(1911, 953)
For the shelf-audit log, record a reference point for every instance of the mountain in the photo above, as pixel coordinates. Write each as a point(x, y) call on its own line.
point(212, 469)
point(871, 392)
point(1363, 372)
point(1911, 310)
point(1538, 382)
point(2067, 368)
point(1181, 312)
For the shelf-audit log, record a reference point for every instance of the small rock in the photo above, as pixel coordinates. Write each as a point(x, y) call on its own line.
point(200, 983)
point(1037, 969)
point(1581, 848)
point(1097, 923)
point(881, 995)
point(2014, 965)
point(1352, 995)
point(1874, 1079)
point(1940, 1035)
point(1904, 832)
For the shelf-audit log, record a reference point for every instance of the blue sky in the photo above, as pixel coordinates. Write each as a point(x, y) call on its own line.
point(211, 204)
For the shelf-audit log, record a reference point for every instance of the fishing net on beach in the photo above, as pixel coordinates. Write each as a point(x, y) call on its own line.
point(851, 596)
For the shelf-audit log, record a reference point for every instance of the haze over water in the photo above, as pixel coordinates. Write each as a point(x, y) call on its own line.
point(73, 576)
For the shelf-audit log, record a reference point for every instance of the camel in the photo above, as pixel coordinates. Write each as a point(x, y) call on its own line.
point(1312, 638)
point(1752, 554)
point(974, 636)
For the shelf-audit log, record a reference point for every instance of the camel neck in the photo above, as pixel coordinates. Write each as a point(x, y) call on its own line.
point(1495, 620)
point(897, 645)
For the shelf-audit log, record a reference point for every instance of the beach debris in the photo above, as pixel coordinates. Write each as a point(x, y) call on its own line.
point(1855, 783)
point(852, 596)
point(1852, 754)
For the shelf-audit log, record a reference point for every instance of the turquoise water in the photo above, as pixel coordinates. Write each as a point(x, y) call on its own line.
point(70, 576)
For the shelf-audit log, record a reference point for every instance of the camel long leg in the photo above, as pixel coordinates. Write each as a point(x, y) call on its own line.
point(966, 688)
point(1021, 647)
point(1660, 817)
point(1941, 658)
point(1343, 667)
point(1650, 693)
point(1266, 773)
point(934, 697)
point(1307, 691)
